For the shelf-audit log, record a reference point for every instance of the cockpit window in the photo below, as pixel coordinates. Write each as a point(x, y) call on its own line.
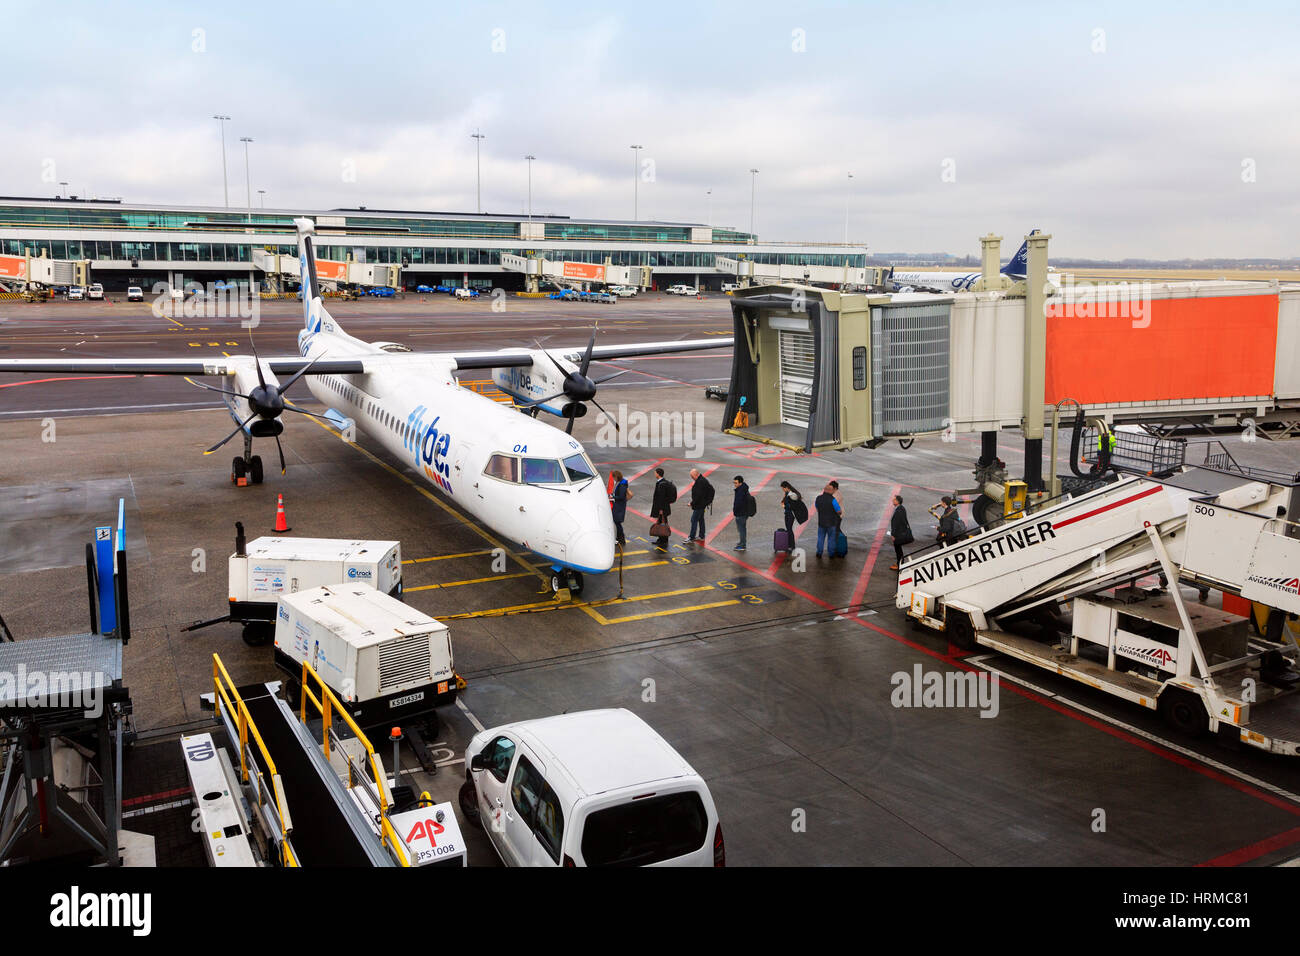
point(579, 468)
point(543, 471)
point(504, 467)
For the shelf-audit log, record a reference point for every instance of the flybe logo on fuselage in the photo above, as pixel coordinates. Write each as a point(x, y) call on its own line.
point(430, 448)
point(961, 556)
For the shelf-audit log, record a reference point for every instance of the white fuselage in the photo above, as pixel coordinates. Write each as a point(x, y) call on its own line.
point(449, 434)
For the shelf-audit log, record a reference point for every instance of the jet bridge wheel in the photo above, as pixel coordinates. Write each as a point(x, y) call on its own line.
point(1184, 712)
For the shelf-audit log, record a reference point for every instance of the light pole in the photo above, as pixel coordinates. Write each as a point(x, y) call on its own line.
point(478, 168)
point(530, 157)
point(636, 169)
point(261, 197)
point(225, 183)
point(753, 186)
point(65, 190)
point(709, 193)
point(248, 187)
point(846, 210)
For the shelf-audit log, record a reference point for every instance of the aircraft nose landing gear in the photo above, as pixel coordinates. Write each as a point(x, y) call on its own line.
point(566, 579)
point(248, 469)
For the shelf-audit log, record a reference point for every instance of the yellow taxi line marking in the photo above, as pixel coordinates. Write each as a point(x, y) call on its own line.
point(590, 609)
point(447, 557)
point(432, 497)
point(665, 613)
point(456, 584)
point(599, 618)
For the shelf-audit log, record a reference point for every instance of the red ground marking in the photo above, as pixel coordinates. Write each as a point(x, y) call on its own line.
point(1255, 850)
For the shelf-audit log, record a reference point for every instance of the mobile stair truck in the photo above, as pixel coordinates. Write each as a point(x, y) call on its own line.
point(1091, 587)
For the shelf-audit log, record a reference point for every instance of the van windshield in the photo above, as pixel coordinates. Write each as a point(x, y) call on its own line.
point(646, 831)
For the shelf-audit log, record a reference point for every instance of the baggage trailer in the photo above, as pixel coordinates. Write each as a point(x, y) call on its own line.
point(263, 569)
point(1007, 585)
point(386, 661)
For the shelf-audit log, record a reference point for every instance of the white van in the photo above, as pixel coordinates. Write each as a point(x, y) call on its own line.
point(594, 788)
point(95, 292)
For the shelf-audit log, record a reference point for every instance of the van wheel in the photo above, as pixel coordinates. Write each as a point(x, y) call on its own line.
point(960, 630)
point(469, 805)
point(1184, 712)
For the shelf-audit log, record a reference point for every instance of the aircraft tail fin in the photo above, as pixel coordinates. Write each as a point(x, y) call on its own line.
point(313, 308)
point(1019, 264)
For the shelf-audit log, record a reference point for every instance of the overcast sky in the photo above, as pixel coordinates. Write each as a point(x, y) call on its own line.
point(1123, 129)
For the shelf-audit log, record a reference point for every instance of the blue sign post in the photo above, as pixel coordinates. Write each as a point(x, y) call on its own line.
point(105, 565)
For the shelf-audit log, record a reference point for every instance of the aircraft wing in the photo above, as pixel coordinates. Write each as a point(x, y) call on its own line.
point(220, 365)
point(520, 357)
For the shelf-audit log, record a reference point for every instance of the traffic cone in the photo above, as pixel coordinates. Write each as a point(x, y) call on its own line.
point(281, 523)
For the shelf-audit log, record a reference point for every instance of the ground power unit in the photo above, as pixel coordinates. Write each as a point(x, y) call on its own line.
point(268, 567)
point(385, 660)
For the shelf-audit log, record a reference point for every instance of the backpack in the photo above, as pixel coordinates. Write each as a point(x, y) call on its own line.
point(800, 510)
point(672, 491)
point(958, 529)
point(751, 506)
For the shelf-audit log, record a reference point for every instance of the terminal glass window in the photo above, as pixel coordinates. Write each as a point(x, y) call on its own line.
point(860, 367)
point(504, 467)
point(543, 471)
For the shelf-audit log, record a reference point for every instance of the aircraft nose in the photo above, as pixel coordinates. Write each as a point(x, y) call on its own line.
point(593, 550)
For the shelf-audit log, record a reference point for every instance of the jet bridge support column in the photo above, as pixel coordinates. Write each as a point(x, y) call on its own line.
point(1035, 380)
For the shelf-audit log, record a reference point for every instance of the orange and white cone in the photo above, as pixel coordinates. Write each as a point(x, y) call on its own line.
point(281, 522)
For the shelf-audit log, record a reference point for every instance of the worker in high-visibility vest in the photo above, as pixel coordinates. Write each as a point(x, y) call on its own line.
point(1105, 447)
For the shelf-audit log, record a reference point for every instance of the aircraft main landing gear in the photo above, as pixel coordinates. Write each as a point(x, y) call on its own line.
point(566, 579)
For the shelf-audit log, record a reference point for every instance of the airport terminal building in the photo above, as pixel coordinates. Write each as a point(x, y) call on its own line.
point(139, 244)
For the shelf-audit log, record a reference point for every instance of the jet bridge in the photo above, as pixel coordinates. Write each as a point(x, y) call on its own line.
point(1006, 585)
point(822, 370)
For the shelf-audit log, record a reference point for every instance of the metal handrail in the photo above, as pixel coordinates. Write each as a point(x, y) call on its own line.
point(235, 704)
point(327, 705)
point(994, 524)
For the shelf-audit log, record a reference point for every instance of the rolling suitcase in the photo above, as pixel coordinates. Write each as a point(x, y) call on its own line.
point(841, 544)
point(781, 540)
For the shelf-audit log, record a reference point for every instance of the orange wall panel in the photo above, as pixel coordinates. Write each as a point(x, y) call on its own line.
point(1189, 348)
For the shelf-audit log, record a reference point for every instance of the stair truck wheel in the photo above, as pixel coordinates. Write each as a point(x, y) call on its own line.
point(1184, 712)
point(959, 629)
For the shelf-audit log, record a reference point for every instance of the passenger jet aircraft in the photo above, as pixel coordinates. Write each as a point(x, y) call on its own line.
point(1017, 268)
point(527, 481)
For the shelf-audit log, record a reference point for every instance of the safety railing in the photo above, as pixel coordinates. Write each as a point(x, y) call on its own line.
point(1137, 452)
point(1218, 458)
point(327, 707)
point(270, 799)
point(973, 531)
